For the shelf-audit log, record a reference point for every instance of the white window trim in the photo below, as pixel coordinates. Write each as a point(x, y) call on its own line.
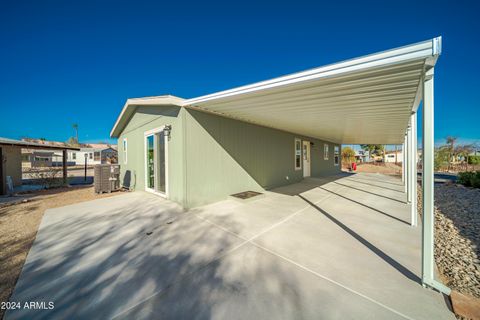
point(125, 150)
point(325, 151)
point(336, 155)
point(295, 154)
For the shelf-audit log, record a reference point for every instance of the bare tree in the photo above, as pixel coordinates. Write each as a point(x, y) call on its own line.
point(451, 148)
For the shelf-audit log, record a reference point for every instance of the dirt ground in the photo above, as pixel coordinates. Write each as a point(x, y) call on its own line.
point(383, 168)
point(19, 224)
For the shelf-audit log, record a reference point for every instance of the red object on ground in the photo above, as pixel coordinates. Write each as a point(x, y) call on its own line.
point(354, 166)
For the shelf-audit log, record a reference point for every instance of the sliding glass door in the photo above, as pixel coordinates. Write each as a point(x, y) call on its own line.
point(150, 162)
point(155, 166)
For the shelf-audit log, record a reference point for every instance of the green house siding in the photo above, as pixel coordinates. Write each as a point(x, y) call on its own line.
point(226, 156)
point(211, 157)
point(133, 171)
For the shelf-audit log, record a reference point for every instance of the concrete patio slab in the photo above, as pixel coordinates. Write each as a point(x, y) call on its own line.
point(251, 283)
point(97, 258)
point(317, 249)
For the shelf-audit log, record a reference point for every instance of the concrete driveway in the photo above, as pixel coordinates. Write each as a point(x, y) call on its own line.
point(338, 248)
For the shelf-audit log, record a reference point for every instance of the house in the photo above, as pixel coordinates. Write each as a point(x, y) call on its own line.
point(274, 132)
point(393, 156)
point(11, 160)
point(361, 156)
point(93, 155)
point(34, 158)
point(195, 157)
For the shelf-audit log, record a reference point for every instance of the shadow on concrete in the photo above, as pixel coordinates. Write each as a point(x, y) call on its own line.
point(366, 206)
point(407, 273)
point(375, 194)
point(308, 184)
point(109, 261)
point(374, 185)
point(93, 266)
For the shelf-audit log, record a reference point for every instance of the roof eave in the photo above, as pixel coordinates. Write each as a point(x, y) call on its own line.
point(428, 50)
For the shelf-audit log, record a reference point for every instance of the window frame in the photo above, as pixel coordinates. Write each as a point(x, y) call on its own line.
point(325, 151)
point(298, 154)
point(74, 156)
point(125, 150)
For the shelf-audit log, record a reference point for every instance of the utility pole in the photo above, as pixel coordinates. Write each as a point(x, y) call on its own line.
point(86, 159)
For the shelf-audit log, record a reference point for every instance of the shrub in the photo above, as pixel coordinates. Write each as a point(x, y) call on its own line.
point(469, 179)
point(474, 160)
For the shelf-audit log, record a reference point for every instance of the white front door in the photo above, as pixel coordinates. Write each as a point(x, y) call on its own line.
point(306, 158)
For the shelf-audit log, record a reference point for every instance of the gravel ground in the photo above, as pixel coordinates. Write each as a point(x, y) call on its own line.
point(18, 228)
point(457, 236)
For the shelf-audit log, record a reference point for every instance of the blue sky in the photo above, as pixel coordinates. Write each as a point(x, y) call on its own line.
point(65, 62)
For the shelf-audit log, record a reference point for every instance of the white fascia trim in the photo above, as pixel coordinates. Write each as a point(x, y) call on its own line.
point(145, 101)
point(422, 50)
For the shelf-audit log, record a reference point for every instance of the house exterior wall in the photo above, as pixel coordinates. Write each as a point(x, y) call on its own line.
point(211, 157)
point(13, 164)
point(132, 169)
point(226, 156)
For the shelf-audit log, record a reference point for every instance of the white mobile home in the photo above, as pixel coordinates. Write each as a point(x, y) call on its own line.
point(93, 156)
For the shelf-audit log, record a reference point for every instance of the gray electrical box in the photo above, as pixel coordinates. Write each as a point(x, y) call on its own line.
point(106, 178)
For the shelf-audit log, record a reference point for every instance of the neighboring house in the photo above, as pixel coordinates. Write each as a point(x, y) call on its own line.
point(93, 156)
point(35, 158)
point(361, 155)
point(395, 157)
point(194, 157)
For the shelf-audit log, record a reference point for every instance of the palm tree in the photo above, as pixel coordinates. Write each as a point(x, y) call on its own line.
point(75, 127)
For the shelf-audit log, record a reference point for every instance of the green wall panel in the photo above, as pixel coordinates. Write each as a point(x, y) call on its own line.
point(144, 119)
point(226, 156)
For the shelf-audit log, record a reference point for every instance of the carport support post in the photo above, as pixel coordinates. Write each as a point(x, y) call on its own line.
point(404, 164)
point(408, 161)
point(427, 181)
point(64, 164)
point(428, 261)
point(413, 168)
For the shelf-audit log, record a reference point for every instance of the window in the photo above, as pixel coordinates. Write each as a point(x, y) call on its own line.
point(125, 150)
point(325, 151)
point(74, 155)
point(298, 154)
point(90, 155)
point(96, 156)
point(336, 155)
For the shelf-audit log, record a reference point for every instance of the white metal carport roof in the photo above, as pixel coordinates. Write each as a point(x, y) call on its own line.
point(363, 100)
